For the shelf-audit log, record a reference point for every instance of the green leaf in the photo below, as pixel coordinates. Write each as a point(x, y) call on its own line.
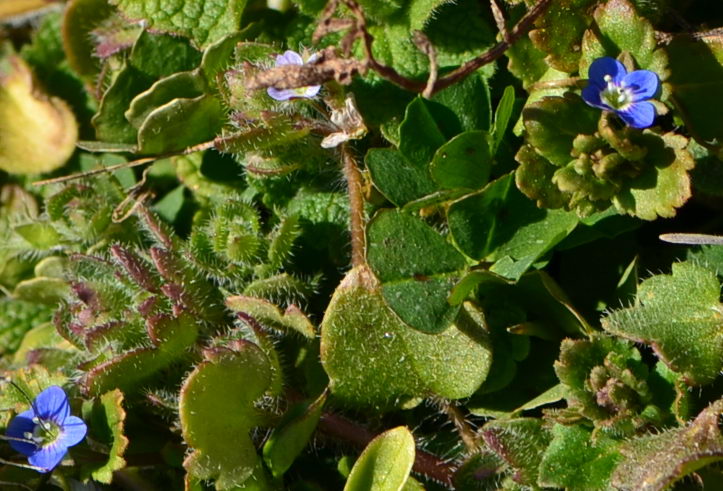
point(655, 462)
point(392, 34)
point(291, 435)
point(42, 337)
point(373, 359)
point(152, 57)
point(204, 22)
point(80, 19)
point(159, 55)
point(619, 28)
point(42, 289)
point(520, 443)
point(268, 314)
point(219, 55)
point(463, 162)
point(179, 85)
point(40, 235)
point(185, 85)
point(417, 268)
point(171, 336)
point(663, 186)
point(385, 463)
point(419, 134)
point(402, 246)
point(680, 317)
point(464, 106)
point(534, 179)
point(419, 12)
point(500, 223)
point(503, 113)
point(696, 72)
point(217, 413)
point(576, 461)
point(527, 63)
point(170, 205)
point(460, 31)
point(398, 179)
point(558, 33)
point(282, 239)
point(106, 417)
point(552, 124)
point(180, 124)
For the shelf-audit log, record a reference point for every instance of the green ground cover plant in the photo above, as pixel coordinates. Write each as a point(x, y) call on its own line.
point(361, 244)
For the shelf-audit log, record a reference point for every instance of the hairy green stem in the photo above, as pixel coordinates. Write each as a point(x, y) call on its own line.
point(356, 205)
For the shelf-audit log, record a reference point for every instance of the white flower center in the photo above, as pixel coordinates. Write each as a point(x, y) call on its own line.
point(44, 433)
point(616, 96)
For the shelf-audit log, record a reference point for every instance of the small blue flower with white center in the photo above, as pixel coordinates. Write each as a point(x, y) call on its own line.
point(293, 58)
point(44, 432)
point(612, 88)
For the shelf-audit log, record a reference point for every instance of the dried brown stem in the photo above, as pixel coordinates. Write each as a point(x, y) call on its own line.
point(667, 37)
point(500, 21)
point(125, 165)
point(356, 205)
point(425, 463)
point(496, 51)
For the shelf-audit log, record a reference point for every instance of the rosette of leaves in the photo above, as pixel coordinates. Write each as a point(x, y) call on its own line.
point(580, 160)
point(608, 384)
point(232, 245)
point(136, 307)
point(134, 314)
point(577, 158)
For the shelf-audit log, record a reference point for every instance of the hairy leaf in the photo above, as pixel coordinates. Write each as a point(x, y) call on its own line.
point(217, 412)
point(204, 22)
point(375, 360)
point(680, 317)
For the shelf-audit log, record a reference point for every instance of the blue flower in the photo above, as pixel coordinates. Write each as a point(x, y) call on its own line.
point(293, 58)
point(612, 88)
point(44, 432)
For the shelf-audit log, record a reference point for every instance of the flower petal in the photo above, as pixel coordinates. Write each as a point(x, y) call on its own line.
point(48, 457)
point(643, 84)
point(280, 94)
point(606, 66)
point(311, 91)
point(21, 424)
point(638, 115)
point(73, 431)
point(52, 404)
point(289, 58)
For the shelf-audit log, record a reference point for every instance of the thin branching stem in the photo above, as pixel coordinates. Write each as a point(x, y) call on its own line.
point(510, 36)
point(126, 165)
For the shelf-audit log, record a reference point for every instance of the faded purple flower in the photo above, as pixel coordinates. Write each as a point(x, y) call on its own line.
point(612, 88)
point(44, 432)
point(293, 58)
